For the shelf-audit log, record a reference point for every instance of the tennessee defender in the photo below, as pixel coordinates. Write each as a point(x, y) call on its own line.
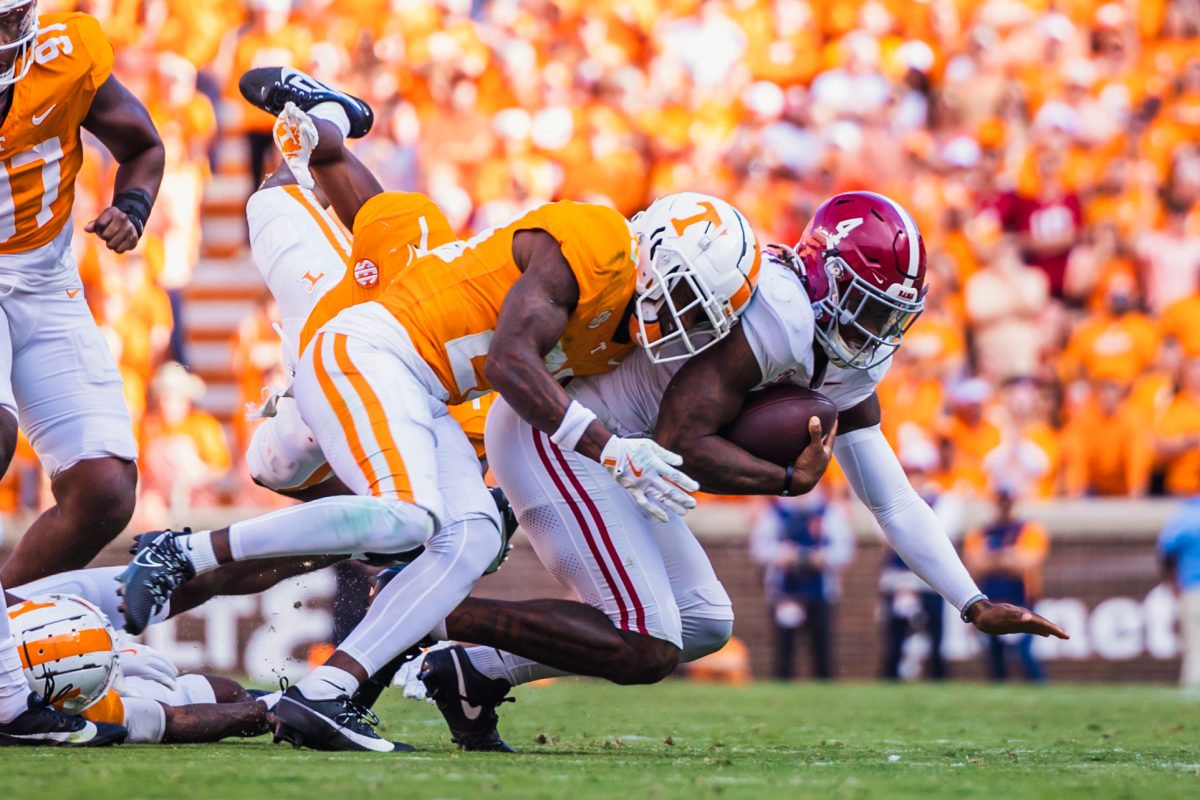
point(515, 310)
point(56, 374)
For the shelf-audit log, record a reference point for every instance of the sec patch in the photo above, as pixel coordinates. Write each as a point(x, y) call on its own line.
point(366, 273)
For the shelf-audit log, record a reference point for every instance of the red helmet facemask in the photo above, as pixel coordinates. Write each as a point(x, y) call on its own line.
point(862, 261)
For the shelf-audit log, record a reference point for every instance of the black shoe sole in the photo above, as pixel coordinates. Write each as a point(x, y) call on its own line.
point(298, 731)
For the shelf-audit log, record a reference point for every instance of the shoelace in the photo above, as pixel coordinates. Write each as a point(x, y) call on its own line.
point(49, 697)
point(355, 715)
point(163, 583)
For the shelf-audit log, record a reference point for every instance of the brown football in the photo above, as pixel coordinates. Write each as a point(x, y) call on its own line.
point(773, 422)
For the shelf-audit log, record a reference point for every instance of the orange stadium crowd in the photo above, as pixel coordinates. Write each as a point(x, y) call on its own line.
point(1048, 149)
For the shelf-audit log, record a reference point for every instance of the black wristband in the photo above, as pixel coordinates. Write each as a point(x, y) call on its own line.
point(788, 474)
point(135, 204)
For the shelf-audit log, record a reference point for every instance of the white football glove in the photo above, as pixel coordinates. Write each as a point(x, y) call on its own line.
point(647, 471)
point(139, 661)
point(296, 136)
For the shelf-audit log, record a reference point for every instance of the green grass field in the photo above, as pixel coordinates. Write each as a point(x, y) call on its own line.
point(583, 740)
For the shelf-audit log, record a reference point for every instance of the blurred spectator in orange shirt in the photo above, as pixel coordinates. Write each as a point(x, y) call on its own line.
point(1178, 434)
point(1117, 344)
point(1170, 259)
point(969, 434)
point(1106, 446)
point(268, 38)
point(1006, 302)
point(1181, 321)
point(184, 450)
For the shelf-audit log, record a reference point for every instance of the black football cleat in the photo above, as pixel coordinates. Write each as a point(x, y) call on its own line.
point(272, 88)
point(159, 567)
point(338, 724)
point(43, 725)
point(466, 698)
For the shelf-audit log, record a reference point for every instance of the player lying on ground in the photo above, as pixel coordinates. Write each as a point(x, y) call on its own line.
point(71, 656)
point(57, 376)
point(828, 317)
point(27, 716)
point(559, 291)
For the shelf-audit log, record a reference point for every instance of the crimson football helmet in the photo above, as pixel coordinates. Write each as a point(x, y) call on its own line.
point(862, 260)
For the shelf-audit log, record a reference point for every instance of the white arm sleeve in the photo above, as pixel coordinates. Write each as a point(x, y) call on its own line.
point(908, 522)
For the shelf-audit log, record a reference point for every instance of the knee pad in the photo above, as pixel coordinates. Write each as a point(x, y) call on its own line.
point(703, 636)
point(706, 614)
point(283, 454)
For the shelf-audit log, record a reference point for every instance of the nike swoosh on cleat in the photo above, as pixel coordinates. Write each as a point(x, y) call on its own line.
point(470, 711)
point(144, 559)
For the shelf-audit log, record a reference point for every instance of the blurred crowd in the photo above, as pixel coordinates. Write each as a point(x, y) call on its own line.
point(1047, 148)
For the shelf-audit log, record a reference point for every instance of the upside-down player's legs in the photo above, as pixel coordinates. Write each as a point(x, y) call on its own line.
point(299, 249)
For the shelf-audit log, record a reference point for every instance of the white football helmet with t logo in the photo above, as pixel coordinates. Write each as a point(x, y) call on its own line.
point(698, 262)
point(18, 34)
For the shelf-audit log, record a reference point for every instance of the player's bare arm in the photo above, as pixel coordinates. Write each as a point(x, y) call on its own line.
point(531, 322)
point(123, 125)
point(705, 395)
point(989, 617)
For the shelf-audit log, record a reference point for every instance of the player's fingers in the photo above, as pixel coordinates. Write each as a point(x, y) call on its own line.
point(669, 457)
point(673, 495)
point(676, 477)
point(829, 437)
point(90, 227)
point(651, 507)
point(814, 428)
point(1041, 626)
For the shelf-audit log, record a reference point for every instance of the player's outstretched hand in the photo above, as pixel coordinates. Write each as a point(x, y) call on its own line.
point(999, 618)
point(116, 229)
point(814, 459)
point(648, 472)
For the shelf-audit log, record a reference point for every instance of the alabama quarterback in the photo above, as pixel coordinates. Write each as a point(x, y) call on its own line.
point(561, 291)
point(827, 315)
point(58, 381)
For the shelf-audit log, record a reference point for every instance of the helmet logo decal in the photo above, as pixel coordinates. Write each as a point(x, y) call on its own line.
point(709, 214)
point(832, 240)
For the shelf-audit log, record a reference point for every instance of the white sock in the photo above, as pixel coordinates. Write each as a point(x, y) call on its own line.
point(332, 526)
point(438, 632)
point(327, 683)
point(199, 549)
point(493, 663)
point(332, 112)
point(14, 689)
point(424, 593)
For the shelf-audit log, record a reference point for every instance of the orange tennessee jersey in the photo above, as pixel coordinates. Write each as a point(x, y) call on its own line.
point(449, 301)
point(391, 231)
point(472, 416)
point(40, 149)
point(109, 708)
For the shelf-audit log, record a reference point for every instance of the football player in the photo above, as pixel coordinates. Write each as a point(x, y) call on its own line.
point(561, 291)
point(57, 376)
point(828, 315)
point(27, 718)
point(121, 684)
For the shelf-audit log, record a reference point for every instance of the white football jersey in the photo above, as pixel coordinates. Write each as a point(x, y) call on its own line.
point(778, 325)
